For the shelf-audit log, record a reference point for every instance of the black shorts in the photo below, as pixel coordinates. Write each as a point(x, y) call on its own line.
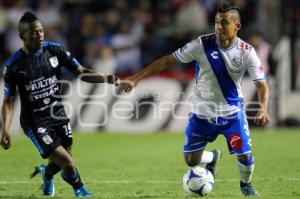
point(47, 138)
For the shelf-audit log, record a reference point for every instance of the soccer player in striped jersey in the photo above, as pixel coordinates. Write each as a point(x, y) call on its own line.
point(217, 105)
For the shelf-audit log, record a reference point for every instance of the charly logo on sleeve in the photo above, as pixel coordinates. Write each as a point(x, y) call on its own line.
point(53, 61)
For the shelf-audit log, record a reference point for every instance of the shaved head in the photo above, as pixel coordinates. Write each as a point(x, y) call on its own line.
point(231, 9)
point(26, 19)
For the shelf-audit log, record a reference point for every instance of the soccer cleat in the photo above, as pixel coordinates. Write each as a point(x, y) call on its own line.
point(48, 185)
point(248, 190)
point(212, 167)
point(83, 192)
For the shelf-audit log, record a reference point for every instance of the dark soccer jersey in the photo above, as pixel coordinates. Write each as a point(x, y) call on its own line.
point(36, 76)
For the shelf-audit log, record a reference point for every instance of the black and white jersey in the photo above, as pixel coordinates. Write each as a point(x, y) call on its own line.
point(36, 77)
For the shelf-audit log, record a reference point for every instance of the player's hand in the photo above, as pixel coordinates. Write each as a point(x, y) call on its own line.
point(262, 118)
point(111, 79)
point(5, 141)
point(129, 83)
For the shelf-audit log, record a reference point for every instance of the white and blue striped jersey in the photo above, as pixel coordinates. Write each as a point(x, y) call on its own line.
point(219, 73)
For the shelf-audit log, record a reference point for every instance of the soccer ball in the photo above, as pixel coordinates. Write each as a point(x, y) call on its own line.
point(198, 181)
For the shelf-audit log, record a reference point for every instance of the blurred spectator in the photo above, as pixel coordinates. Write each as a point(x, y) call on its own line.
point(53, 34)
point(3, 27)
point(3, 19)
point(48, 13)
point(192, 17)
point(105, 62)
point(13, 16)
point(263, 50)
point(111, 21)
point(126, 46)
point(269, 19)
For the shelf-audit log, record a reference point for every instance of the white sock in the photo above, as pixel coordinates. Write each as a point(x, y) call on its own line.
point(207, 157)
point(246, 172)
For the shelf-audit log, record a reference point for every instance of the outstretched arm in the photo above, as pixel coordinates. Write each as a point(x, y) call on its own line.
point(157, 66)
point(7, 115)
point(90, 76)
point(262, 117)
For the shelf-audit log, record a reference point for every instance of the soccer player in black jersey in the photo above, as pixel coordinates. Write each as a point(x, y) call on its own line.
point(35, 70)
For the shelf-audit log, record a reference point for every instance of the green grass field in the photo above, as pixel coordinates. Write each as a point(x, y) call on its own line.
point(151, 166)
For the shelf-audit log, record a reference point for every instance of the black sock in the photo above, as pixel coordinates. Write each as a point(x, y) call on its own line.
point(51, 170)
point(242, 184)
point(73, 178)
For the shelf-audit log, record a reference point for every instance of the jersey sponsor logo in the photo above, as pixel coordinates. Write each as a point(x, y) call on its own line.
point(214, 55)
point(53, 61)
point(45, 94)
point(40, 83)
point(235, 141)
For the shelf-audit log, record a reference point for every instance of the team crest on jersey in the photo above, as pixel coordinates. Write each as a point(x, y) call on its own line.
point(236, 65)
point(53, 61)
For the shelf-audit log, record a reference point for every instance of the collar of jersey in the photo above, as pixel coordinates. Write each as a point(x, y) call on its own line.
point(36, 53)
point(230, 47)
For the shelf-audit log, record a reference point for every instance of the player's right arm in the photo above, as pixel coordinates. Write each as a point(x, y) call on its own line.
point(157, 66)
point(185, 54)
point(7, 115)
point(7, 105)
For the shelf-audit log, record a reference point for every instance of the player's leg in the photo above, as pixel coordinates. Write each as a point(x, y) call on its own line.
point(61, 158)
point(239, 143)
point(246, 167)
point(65, 133)
point(51, 169)
point(196, 141)
point(64, 160)
point(45, 142)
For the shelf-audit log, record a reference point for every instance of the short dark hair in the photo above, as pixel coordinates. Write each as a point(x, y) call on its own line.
point(28, 17)
point(228, 6)
point(225, 7)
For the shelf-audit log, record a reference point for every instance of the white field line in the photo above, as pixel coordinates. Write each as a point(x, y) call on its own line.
point(3, 182)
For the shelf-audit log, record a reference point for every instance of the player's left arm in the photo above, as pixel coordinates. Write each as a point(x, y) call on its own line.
point(84, 73)
point(88, 75)
point(257, 74)
point(262, 116)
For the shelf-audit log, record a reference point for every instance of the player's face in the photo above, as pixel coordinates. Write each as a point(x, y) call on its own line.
point(226, 26)
point(33, 36)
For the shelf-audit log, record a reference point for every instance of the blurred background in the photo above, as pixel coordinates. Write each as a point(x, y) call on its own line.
point(123, 36)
